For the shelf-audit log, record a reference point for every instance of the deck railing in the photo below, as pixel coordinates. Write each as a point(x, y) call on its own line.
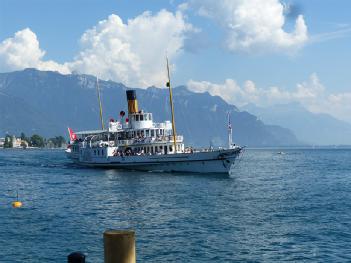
point(142, 140)
point(148, 140)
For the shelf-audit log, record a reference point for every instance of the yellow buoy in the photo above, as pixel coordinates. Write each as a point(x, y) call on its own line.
point(16, 204)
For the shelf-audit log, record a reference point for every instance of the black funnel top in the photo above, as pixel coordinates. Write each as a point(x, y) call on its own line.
point(131, 94)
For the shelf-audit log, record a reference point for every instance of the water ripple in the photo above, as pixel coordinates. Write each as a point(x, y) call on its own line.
point(292, 207)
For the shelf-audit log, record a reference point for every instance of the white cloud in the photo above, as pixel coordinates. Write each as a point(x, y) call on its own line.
point(133, 52)
point(23, 51)
point(254, 25)
point(311, 94)
point(183, 7)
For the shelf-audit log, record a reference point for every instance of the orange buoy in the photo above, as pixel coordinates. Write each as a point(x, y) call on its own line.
point(16, 204)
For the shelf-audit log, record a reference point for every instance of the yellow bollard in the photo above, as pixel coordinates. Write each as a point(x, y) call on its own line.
point(119, 246)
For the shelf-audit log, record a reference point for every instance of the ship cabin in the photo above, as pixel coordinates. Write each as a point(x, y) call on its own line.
point(136, 134)
point(141, 135)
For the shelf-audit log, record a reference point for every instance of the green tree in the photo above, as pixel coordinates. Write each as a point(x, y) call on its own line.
point(8, 141)
point(24, 144)
point(37, 141)
point(23, 137)
point(25, 140)
point(57, 141)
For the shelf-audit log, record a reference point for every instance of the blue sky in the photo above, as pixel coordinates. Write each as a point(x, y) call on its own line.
point(209, 51)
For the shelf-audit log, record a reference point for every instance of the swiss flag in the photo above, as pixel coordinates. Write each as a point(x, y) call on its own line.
point(72, 135)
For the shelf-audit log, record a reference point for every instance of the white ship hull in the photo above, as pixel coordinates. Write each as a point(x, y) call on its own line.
point(219, 161)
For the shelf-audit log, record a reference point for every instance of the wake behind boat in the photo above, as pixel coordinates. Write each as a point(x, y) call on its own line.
point(135, 142)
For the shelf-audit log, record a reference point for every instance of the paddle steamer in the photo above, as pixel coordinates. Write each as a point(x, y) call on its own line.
point(136, 142)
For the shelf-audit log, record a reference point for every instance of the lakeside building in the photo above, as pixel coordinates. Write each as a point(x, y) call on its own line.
point(16, 142)
point(19, 143)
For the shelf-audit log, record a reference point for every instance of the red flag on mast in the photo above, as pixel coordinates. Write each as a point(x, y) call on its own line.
point(72, 135)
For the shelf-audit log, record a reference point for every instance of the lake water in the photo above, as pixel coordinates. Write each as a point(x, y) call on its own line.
point(291, 207)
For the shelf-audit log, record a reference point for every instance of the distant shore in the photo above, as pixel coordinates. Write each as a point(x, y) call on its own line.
point(307, 147)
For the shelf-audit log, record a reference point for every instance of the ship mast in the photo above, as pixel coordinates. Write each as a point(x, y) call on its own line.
point(172, 107)
point(100, 106)
point(230, 132)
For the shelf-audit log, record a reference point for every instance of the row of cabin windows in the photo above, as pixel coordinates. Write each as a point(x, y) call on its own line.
point(142, 117)
point(155, 149)
point(149, 133)
point(142, 133)
point(97, 152)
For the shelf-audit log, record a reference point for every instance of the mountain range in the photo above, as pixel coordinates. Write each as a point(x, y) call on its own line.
point(46, 103)
point(310, 128)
